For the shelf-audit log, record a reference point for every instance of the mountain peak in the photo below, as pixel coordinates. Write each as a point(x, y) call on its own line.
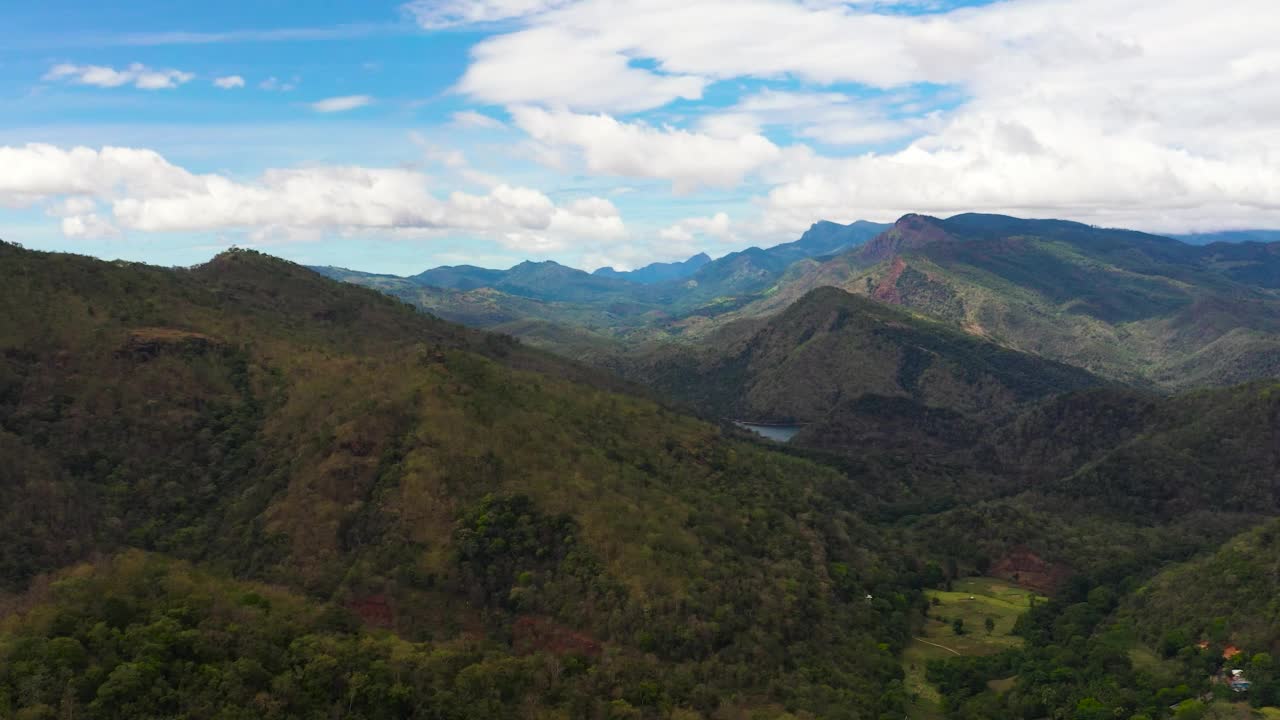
point(911, 231)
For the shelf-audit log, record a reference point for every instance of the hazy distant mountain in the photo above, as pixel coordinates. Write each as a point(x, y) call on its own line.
point(459, 277)
point(826, 238)
point(1230, 236)
point(541, 301)
point(658, 272)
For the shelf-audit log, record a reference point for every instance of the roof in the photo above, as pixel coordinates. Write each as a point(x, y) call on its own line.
point(1230, 651)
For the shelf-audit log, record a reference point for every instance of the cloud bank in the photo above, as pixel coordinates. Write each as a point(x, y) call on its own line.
point(1158, 114)
point(145, 192)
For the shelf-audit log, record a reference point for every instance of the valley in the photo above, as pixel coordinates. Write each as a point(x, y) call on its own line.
point(640, 360)
point(564, 522)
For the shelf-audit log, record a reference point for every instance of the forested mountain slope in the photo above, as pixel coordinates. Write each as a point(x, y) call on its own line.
point(270, 424)
point(1126, 305)
point(831, 347)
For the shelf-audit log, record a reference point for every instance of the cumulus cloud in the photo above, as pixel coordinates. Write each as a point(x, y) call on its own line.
point(636, 149)
point(229, 82)
point(530, 67)
point(147, 193)
point(690, 229)
point(341, 104)
point(138, 75)
point(1149, 113)
point(826, 117)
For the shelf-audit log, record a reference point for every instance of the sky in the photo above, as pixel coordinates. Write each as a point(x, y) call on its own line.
point(397, 136)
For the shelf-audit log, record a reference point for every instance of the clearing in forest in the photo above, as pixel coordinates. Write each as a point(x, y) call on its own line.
point(973, 601)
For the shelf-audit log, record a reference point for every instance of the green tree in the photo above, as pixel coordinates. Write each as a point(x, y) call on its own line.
point(990, 625)
point(957, 626)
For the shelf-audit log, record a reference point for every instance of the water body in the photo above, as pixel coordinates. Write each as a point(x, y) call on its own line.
point(780, 433)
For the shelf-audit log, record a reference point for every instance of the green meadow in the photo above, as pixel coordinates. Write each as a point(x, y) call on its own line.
point(972, 600)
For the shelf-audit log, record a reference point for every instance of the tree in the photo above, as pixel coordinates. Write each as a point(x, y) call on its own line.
point(1090, 709)
point(990, 625)
point(957, 626)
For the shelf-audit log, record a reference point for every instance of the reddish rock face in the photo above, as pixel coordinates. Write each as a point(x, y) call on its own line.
point(532, 634)
point(1029, 570)
point(887, 290)
point(910, 232)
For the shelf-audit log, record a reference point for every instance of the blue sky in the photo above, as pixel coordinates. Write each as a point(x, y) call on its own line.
point(395, 136)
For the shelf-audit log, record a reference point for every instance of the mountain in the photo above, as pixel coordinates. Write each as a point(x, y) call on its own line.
point(547, 280)
point(1129, 306)
point(1226, 597)
point(831, 346)
point(658, 272)
point(458, 277)
point(1230, 236)
point(541, 302)
point(826, 238)
point(248, 486)
point(729, 281)
point(395, 480)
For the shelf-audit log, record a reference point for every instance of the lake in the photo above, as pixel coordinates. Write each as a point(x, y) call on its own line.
point(780, 433)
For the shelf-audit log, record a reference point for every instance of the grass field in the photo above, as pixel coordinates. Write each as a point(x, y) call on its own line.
point(972, 600)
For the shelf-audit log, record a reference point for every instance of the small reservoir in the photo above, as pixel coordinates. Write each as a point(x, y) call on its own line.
point(780, 433)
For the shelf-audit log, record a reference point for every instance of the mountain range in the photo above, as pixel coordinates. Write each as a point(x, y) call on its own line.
point(246, 489)
point(1131, 307)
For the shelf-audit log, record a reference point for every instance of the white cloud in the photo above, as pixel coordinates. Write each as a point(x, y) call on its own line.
point(274, 84)
point(475, 120)
point(437, 14)
point(229, 82)
point(558, 66)
point(146, 193)
point(90, 226)
point(689, 230)
point(1150, 113)
point(341, 104)
point(138, 75)
point(827, 117)
point(687, 159)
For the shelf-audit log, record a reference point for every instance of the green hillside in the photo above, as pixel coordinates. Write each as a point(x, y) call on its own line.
point(488, 528)
point(1229, 597)
point(270, 424)
point(831, 346)
point(1133, 307)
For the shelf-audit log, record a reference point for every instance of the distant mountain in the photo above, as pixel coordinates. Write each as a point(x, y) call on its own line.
point(826, 238)
point(658, 272)
point(1230, 236)
point(540, 302)
point(1127, 305)
point(459, 277)
point(546, 280)
point(1134, 307)
point(747, 272)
